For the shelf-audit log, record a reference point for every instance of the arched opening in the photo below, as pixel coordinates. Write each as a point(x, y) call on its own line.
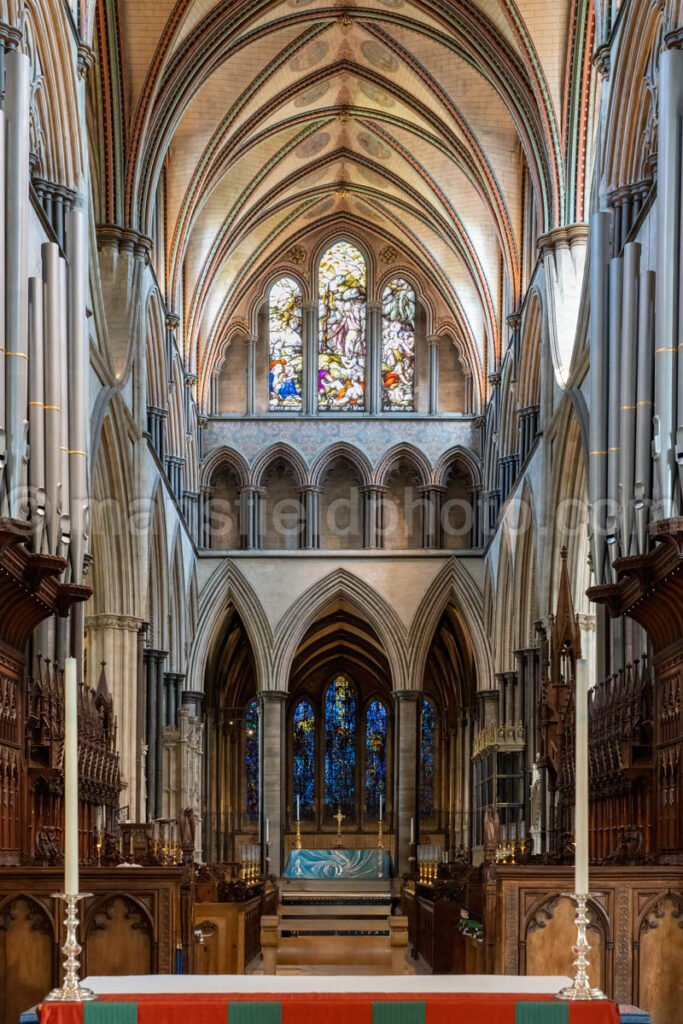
point(282, 508)
point(342, 283)
point(445, 729)
point(223, 521)
point(232, 744)
point(402, 508)
point(341, 507)
point(285, 345)
point(398, 346)
point(339, 732)
point(232, 377)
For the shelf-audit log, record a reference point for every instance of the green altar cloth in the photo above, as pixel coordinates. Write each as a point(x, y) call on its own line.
point(357, 864)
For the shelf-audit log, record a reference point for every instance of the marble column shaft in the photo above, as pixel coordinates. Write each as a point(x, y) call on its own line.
point(668, 420)
point(406, 748)
point(16, 272)
point(272, 768)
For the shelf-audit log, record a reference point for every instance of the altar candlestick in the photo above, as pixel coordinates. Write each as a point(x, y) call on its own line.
point(298, 808)
point(380, 807)
point(581, 791)
point(70, 778)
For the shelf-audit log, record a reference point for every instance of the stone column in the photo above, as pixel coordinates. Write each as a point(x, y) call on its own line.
point(310, 499)
point(373, 371)
point(272, 770)
point(160, 726)
point(250, 518)
point(372, 517)
point(434, 341)
point(405, 774)
point(113, 639)
point(431, 516)
point(310, 350)
point(251, 374)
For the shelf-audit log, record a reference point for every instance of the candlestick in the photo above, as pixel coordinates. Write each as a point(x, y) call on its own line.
point(71, 990)
point(380, 807)
point(298, 808)
point(70, 778)
point(581, 788)
point(581, 988)
point(267, 830)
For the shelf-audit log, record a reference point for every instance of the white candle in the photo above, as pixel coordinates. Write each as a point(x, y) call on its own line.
point(380, 807)
point(298, 809)
point(70, 778)
point(267, 830)
point(581, 793)
point(412, 830)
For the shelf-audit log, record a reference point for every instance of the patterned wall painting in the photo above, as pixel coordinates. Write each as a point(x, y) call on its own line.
point(340, 747)
point(398, 346)
point(303, 726)
point(375, 757)
point(286, 346)
point(341, 360)
point(251, 757)
point(427, 758)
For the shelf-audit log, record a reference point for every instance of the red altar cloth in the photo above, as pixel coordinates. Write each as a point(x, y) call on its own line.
point(321, 1008)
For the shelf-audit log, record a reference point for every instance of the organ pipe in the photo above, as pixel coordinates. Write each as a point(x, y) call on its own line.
point(642, 490)
point(65, 496)
point(78, 378)
point(600, 234)
point(16, 271)
point(629, 354)
point(668, 254)
point(53, 389)
point(36, 411)
point(3, 422)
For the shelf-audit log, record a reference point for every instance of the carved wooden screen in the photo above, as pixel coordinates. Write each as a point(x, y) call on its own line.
point(27, 955)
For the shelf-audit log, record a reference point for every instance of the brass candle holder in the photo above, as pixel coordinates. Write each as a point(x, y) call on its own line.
point(380, 835)
point(71, 990)
point(297, 841)
point(581, 988)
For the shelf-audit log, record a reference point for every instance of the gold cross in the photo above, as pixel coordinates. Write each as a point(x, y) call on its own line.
point(339, 817)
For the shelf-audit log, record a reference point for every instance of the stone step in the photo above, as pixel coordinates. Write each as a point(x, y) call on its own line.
point(333, 925)
point(331, 909)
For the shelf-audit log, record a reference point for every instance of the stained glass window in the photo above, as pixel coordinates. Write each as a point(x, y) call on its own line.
point(341, 358)
point(375, 757)
point(398, 346)
point(251, 755)
point(303, 724)
point(286, 346)
point(340, 747)
point(427, 758)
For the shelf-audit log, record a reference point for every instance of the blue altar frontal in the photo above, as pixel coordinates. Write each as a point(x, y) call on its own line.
point(356, 864)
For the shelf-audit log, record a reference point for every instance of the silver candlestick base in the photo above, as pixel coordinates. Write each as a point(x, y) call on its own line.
point(581, 987)
point(71, 990)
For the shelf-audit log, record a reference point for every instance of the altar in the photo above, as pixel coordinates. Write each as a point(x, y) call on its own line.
point(254, 999)
point(359, 865)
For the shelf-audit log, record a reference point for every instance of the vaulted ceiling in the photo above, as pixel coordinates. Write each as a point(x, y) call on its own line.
point(276, 124)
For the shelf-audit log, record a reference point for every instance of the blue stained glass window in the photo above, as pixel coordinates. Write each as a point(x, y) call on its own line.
point(341, 358)
point(251, 754)
point(286, 346)
point(398, 346)
point(427, 759)
point(340, 747)
point(303, 724)
point(375, 757)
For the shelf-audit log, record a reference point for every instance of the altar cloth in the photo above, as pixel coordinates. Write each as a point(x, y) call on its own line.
point(257, 999)
point(366, 865)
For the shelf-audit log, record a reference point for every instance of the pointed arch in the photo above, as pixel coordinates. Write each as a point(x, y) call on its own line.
point(344, 588)
point(454, 585)
point(279, 453)
point(225, 586)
